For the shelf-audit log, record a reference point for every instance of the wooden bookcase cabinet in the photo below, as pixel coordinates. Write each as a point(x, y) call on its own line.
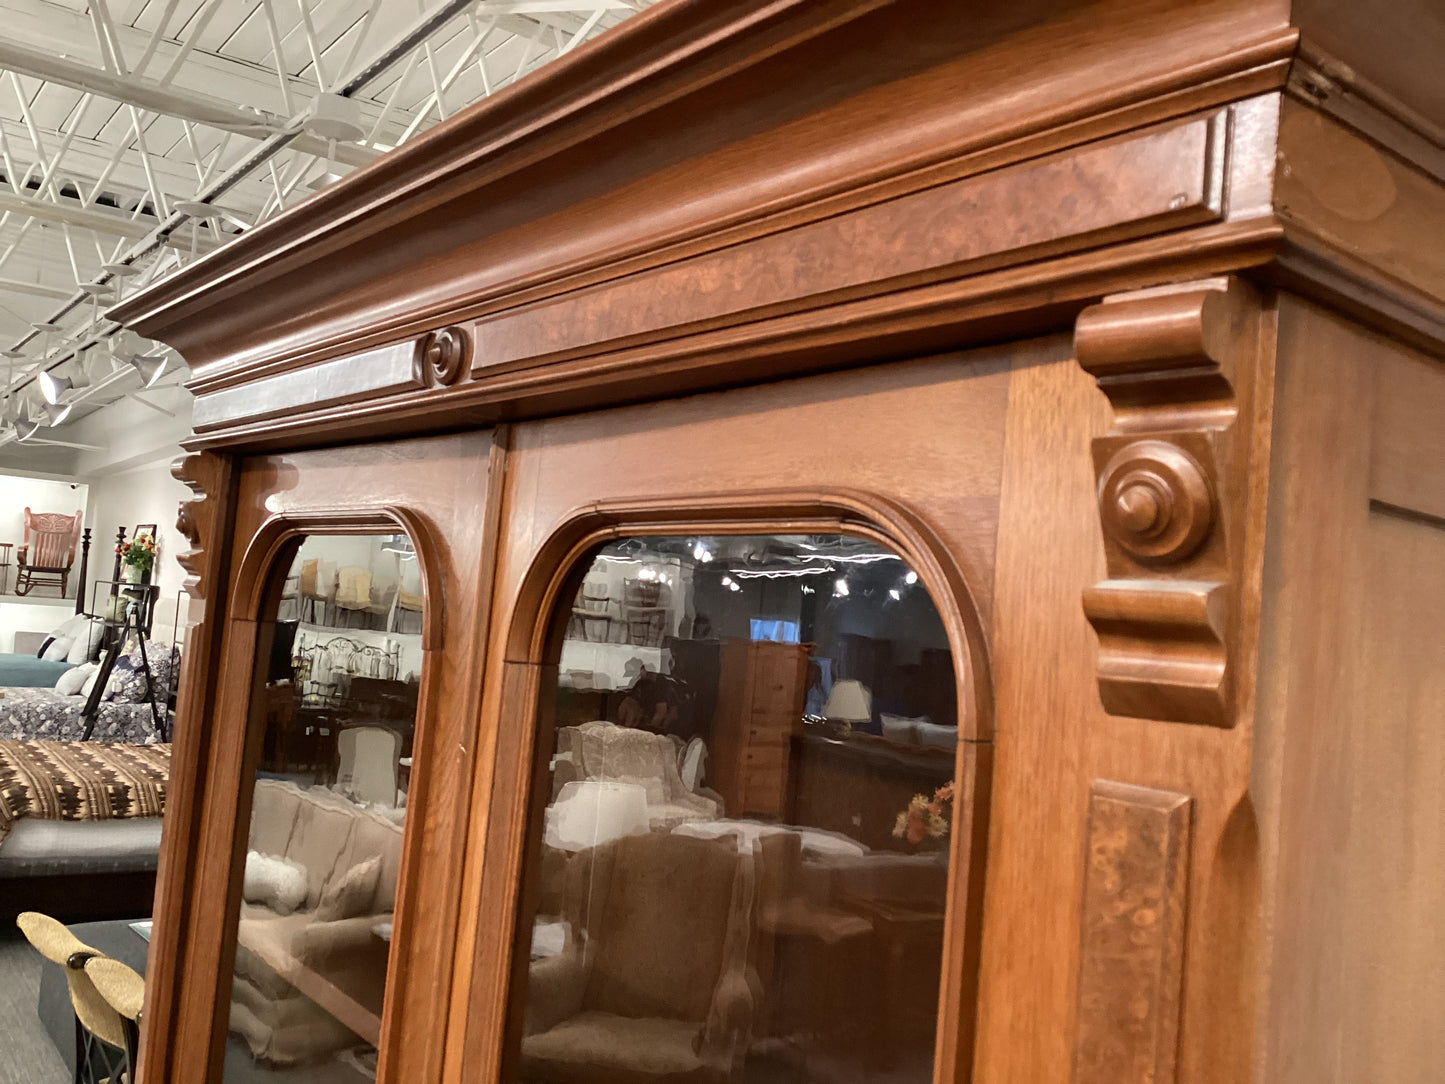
point(1123, 323)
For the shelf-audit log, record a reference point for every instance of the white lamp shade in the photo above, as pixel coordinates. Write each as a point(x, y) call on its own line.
point(52, 387)
point(849, 701)
point(592, 811)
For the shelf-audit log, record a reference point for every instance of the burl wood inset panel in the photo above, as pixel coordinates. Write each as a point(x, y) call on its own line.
point(1167, 178)
point(1132, 945)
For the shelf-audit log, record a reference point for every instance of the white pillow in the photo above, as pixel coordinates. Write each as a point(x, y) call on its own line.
point(71, 681)
point(938, 735)
point(279, 883)
point(58, 651)
point(86, 688)
point(901, 727)
point(86, 644)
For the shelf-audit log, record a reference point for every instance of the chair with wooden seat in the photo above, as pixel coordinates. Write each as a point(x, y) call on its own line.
point(49, 550)
point(105, 1040)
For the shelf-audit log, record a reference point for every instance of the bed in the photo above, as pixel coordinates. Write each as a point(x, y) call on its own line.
point(117, 712)
point(80, 825)
point(23, 670)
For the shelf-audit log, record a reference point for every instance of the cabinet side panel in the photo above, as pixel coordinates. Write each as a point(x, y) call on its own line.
point(1350, 773)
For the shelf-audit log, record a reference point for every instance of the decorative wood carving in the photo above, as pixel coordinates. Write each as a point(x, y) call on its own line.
point(1168, 360)
point(1132, 935)
point(442, 356)
point(202, 473)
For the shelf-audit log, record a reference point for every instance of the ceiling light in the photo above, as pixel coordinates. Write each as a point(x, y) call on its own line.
point(58, 412)
point(150, 366)
point(24, 429)
point(840, 588)
point(910, 577)
point(52, 387)
point(334, 118)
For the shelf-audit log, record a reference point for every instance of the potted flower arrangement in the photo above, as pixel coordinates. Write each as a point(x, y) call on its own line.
point(137, 558)
point(925, 817)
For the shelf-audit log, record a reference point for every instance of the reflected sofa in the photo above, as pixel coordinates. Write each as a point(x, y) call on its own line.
point(281, 958)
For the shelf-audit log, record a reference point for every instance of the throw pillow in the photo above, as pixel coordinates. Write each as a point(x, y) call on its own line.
point(57, 651)
point(74, 679)
point(86, 643)
point(89, 685)
point(350, 895)
point(278, 883)
point(44, 646)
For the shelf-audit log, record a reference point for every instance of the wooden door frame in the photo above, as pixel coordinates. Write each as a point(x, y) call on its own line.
point(225, 803)
point(532, 647)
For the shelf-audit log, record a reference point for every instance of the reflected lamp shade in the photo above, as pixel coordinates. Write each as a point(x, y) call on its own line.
point(850, 701)
point(589, 812)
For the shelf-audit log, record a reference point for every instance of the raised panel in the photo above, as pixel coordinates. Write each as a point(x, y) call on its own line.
point(1131, 935)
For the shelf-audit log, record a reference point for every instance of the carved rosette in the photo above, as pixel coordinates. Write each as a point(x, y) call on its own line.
point(1169, 361)
point(442, 356)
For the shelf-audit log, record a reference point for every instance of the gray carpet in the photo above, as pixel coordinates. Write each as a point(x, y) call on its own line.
point(26, 1053)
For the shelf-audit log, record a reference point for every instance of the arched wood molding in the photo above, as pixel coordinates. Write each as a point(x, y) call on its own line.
point(558, 567)
point(1178, 365)
point(768, 512)
point(276, 531)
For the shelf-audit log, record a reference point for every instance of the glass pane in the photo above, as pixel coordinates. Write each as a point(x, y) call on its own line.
point(339, 666)
point(742, 861)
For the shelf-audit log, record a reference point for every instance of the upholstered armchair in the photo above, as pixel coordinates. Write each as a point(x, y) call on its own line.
point(49, 551)
point(654, 982)
point(604, 751)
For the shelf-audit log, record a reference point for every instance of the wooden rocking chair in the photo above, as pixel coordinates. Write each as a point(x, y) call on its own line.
point(49, 551)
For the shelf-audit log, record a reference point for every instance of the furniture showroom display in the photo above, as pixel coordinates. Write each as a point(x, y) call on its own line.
point(1097, 344)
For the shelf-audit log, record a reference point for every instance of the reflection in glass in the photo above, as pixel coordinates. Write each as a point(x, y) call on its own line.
point(341, 660)
point(742, 861)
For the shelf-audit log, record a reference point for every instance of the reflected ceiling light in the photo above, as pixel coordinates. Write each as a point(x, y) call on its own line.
point(895, 594)
point(52, 387)
point(150, 366)
point(400, 545)
point(910, 578)
point(840, 587)
point(852, 558)
point(780, 573)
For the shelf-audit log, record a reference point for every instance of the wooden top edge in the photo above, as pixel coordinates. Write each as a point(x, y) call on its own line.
point(653, 61)
point(661, 41)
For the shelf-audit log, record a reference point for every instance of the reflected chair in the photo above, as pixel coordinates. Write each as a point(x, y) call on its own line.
point(49, 551)
point(655, 982)
point(406, 617)
point(104, 1039)
point(353, 596)
point(383, 598)
point(318, 589)
point(367, 766)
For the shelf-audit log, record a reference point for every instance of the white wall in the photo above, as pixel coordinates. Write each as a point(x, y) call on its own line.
point(143, 494)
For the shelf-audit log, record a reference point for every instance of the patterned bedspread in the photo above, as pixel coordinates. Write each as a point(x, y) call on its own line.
point(44, 713)
point(81, 781)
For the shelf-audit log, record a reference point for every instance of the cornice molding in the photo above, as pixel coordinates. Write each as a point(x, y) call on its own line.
point(449, 171)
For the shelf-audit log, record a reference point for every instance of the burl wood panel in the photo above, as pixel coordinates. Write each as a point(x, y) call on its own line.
point(1131, 935)
point(1164, 179)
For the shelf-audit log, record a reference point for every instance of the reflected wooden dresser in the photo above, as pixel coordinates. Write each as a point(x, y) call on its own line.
point(1121, 323)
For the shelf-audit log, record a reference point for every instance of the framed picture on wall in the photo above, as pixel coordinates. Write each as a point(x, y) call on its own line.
point(142, 530)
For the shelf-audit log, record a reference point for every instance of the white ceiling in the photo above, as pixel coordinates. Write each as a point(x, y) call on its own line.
point(118, 116)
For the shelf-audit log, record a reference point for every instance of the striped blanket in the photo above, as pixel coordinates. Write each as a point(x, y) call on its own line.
point(81, 781)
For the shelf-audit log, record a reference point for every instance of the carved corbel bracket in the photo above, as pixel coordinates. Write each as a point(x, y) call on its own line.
point(204, 474)
point(1169, 361)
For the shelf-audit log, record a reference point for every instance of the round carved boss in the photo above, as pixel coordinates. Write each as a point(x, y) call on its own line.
point(1155, 501)
point(442, 355)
